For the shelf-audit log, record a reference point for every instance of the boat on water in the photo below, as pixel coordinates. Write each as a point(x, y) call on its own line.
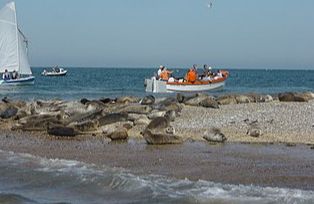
point(56, 71)
point(161, 86)
point(13, 49)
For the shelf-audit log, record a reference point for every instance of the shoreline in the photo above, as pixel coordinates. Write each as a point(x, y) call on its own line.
point(231, 163)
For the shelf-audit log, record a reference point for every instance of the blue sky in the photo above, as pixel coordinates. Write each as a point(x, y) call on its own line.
point(177, 33)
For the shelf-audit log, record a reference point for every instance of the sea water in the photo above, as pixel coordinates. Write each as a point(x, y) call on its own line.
point(95, 83)
point(31, 179)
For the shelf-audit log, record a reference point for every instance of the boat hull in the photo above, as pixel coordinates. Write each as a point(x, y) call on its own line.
point(156, 86)
point(194, 88)
point(55, 73)
point(20, 81)
point(159, 86)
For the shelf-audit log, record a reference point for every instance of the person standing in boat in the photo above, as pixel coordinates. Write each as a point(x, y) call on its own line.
point(165, 74)
point(6, 75)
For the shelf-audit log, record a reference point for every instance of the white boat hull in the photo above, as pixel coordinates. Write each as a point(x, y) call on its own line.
point(20, 81)
point(195, 88)
point(63, 73)
point(156, 86)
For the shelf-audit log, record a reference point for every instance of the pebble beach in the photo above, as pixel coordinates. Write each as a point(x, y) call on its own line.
point(280, 122)
point(259, 140)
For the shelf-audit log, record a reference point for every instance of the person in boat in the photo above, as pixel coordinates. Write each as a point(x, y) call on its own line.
point(6, 75)
point(56, 69)
point(205, 72)
point(14, 75)
point(218, 75)
point(161, 68)
point(191, 75)
point(165, 74)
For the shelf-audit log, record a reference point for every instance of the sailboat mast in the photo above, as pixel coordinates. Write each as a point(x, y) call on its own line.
point(17, 39)
point(24, 40)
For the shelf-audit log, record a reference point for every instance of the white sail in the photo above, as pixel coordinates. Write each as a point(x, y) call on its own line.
point(24, 67)
point(13, 54)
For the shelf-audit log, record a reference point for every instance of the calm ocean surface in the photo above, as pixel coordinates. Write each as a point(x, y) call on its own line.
point(96, 83)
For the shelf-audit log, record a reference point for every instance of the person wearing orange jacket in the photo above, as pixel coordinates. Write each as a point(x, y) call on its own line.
point(165, 74)
point(191, 75)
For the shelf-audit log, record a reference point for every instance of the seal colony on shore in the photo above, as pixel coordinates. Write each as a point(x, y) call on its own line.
point(255, 118)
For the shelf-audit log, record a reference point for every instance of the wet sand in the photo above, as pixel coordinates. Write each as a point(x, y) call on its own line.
point(233, 163)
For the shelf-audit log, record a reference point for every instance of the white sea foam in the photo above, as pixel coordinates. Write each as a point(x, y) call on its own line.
point(157, 187)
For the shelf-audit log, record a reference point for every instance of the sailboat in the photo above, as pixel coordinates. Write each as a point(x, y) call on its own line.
point(13, 49)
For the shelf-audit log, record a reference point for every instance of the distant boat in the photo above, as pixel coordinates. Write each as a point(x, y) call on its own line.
point(159, 86)
point(13, 49)
point(56, 71)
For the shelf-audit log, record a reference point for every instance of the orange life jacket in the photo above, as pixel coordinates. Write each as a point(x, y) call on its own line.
point(164, 75)
point(191, 76)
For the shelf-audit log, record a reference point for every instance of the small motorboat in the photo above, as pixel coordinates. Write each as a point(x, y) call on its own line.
point(56, 71)
point(159, 86)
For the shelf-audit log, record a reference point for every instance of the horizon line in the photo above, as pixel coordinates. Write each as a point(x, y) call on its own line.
point(148, 67)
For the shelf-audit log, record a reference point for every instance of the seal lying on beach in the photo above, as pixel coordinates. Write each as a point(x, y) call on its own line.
point(159, 131)
point(37, 122)
point(254, 129)
point(214, 135)
point(61, 131)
